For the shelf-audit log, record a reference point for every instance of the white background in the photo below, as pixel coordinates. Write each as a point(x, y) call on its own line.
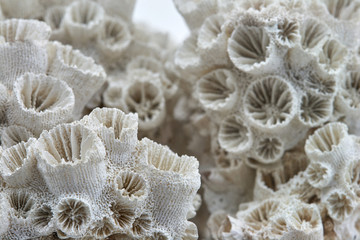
point(161, 15)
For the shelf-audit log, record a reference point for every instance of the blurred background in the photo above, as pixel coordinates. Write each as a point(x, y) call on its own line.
point(161, 15)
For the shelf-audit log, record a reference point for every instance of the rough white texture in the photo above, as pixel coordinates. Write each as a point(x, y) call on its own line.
point(266, 75)
point(259, 77)
point(23, 49)
point(333, 168)
point(274, 219)
point(47, 83)
point(93, 179)
point(40, 102)
point(104, 31)
point(306, 197)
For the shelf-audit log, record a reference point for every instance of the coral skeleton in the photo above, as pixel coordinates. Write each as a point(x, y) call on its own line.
point(68, 174)
point(93, 179)
point(259, 77)
point(138, 60)
point(265, 93)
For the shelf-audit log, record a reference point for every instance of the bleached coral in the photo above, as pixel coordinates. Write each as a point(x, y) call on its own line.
point(43, 78)
point(267, 74)
point(40, 102)
point(274, 219)
point(322, 190)
point(128, 52)
point(93, 178)
point(306, 61)
point(256, 79)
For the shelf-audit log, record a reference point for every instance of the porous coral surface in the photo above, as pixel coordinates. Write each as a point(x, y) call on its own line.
point(94, 179)
point(264, 93)
point(260, 77)
point(66, 176)
point(137, 59)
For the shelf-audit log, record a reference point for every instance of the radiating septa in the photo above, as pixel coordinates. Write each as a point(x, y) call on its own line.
point(117, 130)
point(14, 134)
point(79, 72)
point(71, 159)
point(114, 39)
point(40, 102)
point(331, 144)
point(73, 216)
point(82, 21)
point(19, 165)
point(180, 191)
point(25, 37)
point(145, 97)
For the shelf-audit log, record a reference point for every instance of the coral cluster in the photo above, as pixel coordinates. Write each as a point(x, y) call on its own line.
point(93, 178)
point(43, 83)
point(266, 74)
point(137, 60)
point(141, 76)
point(310, 198)
point(264, 93)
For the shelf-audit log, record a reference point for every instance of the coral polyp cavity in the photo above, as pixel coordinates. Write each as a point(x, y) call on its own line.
point(269, 102)
point(84, 177)
point(281, 121)
point(264, 93)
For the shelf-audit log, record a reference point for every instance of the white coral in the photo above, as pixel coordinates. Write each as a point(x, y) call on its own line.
point(252, 82)
point(295, 65)
point(94, 189)
point(40, 103)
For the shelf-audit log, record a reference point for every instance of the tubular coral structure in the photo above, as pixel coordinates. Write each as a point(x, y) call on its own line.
point(264, 93)
point(66, 175)
point(261, 77)
point(72, 182)
point(130, 53)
